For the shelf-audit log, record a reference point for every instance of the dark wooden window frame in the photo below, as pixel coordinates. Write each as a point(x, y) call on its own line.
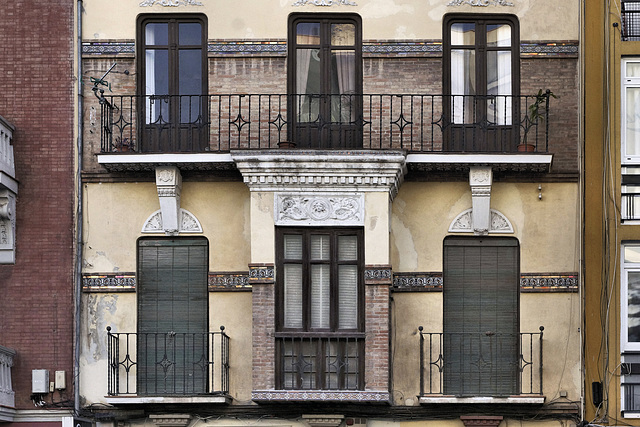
point(294, 339)
point(173, 51)
point(325, 20)
point(478, 131)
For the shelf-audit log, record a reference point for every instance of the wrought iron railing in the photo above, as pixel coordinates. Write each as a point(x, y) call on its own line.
point(630, 20)
point(173, 363)
point(489, 352)
point(413, 122)
point(320, 362)
point(630, 207)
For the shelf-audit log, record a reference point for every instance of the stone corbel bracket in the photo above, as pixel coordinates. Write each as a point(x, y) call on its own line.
point(480, 180)
point(169, 185)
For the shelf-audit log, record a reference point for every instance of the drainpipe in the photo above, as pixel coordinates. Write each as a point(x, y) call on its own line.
point(79, 219)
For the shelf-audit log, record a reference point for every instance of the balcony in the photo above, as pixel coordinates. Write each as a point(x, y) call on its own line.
point(168, 367)
point(416, 123)
point(630, 20)
point(476, 368)
point(7, 395)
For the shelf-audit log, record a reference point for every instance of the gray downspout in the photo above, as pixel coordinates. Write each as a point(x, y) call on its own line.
point(79, 220)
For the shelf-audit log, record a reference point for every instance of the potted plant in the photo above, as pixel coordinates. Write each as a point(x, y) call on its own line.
point(535, 115)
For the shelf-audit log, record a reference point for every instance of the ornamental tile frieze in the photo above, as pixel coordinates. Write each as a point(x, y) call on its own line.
point(319, 209)
point(261, 274)
point(170, 3)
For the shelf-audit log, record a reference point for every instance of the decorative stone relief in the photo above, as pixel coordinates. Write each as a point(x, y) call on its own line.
point(188, 223)
point(498, 223)
point(483, 3)
point(7, 226)
point(170, 3)
point(319, 209)
point(324, 3)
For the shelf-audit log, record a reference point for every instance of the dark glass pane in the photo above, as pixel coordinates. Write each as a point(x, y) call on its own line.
point(190, 33)
point(190, 82)
point(156, 33)
point(308, 33)
point(307, 83)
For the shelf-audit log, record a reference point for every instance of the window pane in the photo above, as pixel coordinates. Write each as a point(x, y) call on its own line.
point(343, 34)
point(293, 246)
point(343, 84)
point(499, 35)
point(293, 296)
point(347, 248)
point(632, 139)
point(348, 296)
point(190, 33)
point(633, 308)
point(190, 72)
point(463, 34)
point(308, 33)
point(633, 69)
point(320, 247)
point(157, 83)
point(499, 84)
point(307, 83)
point(320, 296)
point(156, 34)
point(463, 82)
point(632, 253)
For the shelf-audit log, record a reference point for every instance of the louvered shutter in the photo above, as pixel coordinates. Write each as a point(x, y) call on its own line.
point(481, 320)
point(172, 316)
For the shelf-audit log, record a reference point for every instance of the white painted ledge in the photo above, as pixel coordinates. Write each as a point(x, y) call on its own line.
point(165, 158)
point(518, 400)
point(138, 400)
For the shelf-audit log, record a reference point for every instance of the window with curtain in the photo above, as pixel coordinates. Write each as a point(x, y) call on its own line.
point(172, 59)
point(320, 308)
point(325, 77)
point(481, 67)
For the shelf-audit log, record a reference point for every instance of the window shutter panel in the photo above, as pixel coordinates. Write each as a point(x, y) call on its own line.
point(293, 296)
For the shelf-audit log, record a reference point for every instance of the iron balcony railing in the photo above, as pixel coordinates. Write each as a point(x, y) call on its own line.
point(630, 206)
point(413, 122)
point(168, 364)
point(482, 371)
point(320, 361)
point(630, 20)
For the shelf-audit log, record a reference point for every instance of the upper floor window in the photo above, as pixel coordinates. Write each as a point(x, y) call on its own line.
point(325, 79)
point(630, 137)
point(320, 309)
point(481, 80)
point(630, 18)
point(172, 63)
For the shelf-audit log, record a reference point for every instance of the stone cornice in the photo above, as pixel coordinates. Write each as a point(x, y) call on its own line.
point(313, 170)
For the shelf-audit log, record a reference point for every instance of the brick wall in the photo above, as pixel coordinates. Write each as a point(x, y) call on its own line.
point(377, 337)
point(264, 346)
point(36, 95)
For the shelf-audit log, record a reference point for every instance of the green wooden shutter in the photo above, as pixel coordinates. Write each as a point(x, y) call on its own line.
point(481, 316)
point(172, 316)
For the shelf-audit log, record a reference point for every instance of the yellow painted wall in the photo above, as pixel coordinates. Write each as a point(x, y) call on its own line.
point(547, 229)
point(384, 19)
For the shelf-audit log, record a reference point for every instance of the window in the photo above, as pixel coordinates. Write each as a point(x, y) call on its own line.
point(630, 18)
point(481, 80)
point(172, 316)
point(630, 327)
point(320, 310)
point(172, 62)
point(481, 316)
point(630, 135)
point(325, 80)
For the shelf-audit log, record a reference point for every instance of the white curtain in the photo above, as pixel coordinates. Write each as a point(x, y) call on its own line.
point(293, 282)
point(348, 283)
point(320, 282)
point(632, 119)
point(342, 107)
point(463, 86)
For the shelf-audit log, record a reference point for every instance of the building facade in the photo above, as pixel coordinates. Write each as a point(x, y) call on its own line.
point(37, 186)
point(330, 213)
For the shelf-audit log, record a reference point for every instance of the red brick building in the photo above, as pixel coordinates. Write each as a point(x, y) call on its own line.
point(36, 223)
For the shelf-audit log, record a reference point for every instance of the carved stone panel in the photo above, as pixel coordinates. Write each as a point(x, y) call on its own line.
point(319, 209)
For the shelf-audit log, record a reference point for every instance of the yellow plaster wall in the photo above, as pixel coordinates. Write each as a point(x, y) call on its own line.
point(559, 313)
point(116, 212)
point(547, 229)
point(376, 228)
point(383, 19)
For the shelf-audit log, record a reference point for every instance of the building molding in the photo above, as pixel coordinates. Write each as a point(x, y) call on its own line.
point(311, 171)
point(188, 223)
point(319, 396)
point(480, 180)
point(498, 223)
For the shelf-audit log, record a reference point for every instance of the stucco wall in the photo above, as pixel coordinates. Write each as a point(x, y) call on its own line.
point(383, 19)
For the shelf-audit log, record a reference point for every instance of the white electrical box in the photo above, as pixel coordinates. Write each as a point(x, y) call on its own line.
point(61, 383)
point(40, 381)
